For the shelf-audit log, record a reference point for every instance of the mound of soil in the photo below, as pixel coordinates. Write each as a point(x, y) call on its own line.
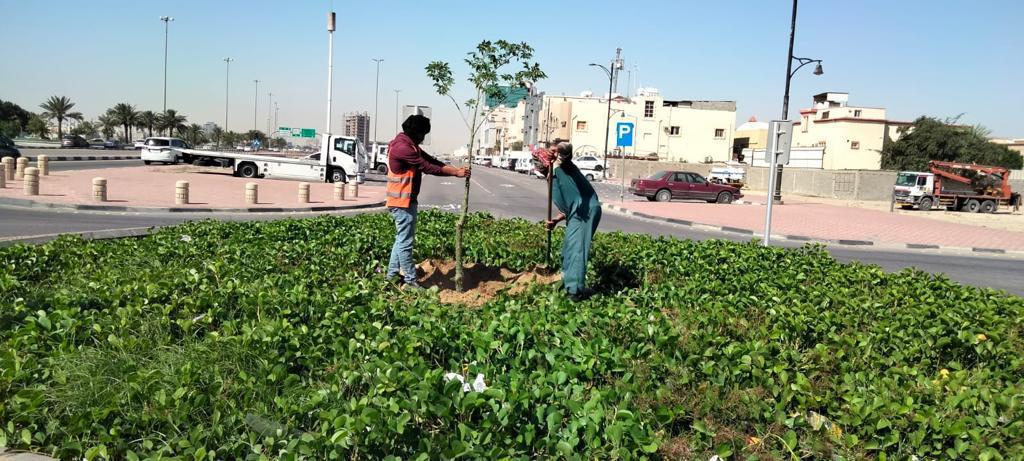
point(480, 283)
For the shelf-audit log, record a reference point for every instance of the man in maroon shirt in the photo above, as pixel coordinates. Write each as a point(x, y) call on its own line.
point(406, 165)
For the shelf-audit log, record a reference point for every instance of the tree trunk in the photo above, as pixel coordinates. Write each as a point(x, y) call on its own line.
point(60, 134)
point(460, 225)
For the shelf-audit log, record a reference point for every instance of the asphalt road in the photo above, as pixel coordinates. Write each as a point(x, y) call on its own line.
point(92, 164)
point(509, 194)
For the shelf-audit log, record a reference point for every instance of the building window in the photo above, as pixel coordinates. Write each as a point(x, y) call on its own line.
point(581, 126)
point(648, 109)
point(563, 124)
point(854, 145)
point(824, 115)
point(803, 125)
point(856, 112)
point(719, 133)
point(673, 131)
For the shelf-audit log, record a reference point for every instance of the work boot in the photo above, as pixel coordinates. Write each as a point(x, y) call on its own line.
point(581, 295)
point(413, 287)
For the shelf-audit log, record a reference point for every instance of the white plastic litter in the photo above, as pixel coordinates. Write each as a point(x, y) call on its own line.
point(186, 238)
point(478, 384)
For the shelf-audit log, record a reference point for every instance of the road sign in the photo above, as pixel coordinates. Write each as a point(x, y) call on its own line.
point(780, 137)
point(297, 132)
point(425, 111)
point(624, 134)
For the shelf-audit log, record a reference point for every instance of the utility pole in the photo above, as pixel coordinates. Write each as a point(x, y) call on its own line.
point(398, 121)
point(227, 90)
point(376, 93)
point(270, 99)
point(255, 104)
point(167, 20)
point(330, 70)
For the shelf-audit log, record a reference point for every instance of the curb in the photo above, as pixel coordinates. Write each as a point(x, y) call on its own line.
point(26, 203)
point(803, 238)
point(72, 158)
point(130, 232)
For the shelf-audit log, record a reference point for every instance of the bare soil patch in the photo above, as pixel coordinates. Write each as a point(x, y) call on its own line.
point(481, 283)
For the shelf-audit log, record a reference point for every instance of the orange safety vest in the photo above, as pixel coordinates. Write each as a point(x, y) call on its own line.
point(399, 191)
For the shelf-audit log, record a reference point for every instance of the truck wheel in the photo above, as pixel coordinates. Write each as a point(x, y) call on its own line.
point(972, 206)
point(382, 169)
point(338, 175)
point(988, 206)
point(248, 170)
point(925, 204)
point(663, 195)
point(724, 197)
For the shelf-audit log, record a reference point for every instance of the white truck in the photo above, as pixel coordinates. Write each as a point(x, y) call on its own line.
point(379, 158)
point(340, 159)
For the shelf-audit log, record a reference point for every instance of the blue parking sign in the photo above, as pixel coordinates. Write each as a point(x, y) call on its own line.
point(624, 134)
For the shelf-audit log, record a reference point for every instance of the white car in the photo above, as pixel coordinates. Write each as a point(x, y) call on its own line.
point(138, 145)
point(591, 174)
point(162, 149)
point(589, 162)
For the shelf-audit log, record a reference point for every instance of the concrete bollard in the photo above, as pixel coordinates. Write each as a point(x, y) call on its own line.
point(31, 181)
point(252, 192)
point(181, 193)
point(303, 192)
point(99, 189)
point(3, 175)
point(43, 163)
point(9, 167)
point(353, 189)
point(339, 191)
point(19, 171)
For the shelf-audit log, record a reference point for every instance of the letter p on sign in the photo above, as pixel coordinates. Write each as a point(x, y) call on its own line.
point(623, 134)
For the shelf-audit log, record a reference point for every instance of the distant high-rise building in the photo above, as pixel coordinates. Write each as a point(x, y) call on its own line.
point(357, 124)
point(208, 128)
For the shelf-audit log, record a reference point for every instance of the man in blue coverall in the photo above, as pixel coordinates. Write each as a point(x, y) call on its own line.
point(581, 210)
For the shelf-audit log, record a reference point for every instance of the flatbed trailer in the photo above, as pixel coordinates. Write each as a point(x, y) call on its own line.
point(345, 161)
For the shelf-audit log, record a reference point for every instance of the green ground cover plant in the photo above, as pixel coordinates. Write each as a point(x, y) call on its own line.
point(283, 340)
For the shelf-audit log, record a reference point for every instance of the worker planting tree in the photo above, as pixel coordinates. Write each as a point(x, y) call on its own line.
point(486, 65)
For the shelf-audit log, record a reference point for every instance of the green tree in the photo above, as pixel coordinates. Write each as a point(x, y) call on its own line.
point(194, 134)
point(59, 108)
point(127, 117)
point(13, 119)
point(230, 139)
point(487, 76)
point(86, 128)
point(148, 119)
point(278, 143)
point(256, 135)
point(37, 126)
point(217, 135)
point(171, 122)
point(933, 139)
point(108, 124)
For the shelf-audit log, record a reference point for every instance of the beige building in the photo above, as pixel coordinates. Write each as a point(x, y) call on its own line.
point(750, 135)
point(671, 130)
point(1013, 144)
point(852, 137)
point(357, 124)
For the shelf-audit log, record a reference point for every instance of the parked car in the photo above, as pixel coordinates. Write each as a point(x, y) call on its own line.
point(589, 162)
point(97, 143)
point(163, 149)
point(73, 140)
point(667, 185)
point(138, 145)
point(7, 148)
point(592, 174)
point(112, 144)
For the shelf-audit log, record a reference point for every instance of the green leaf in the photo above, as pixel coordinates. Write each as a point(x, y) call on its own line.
point(790, 439)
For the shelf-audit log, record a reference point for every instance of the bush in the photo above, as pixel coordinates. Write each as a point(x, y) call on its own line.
point(283, 340)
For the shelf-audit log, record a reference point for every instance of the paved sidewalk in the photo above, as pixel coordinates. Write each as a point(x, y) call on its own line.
point(209, 188)
point(834, 223)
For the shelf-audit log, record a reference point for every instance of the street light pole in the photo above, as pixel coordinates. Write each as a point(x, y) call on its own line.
point(227, 88)
point(255, 104)
point(376, 94)
point(167, 21)
point(397, 120)
point(270, 101)
point(608, 114)
point(777, 189)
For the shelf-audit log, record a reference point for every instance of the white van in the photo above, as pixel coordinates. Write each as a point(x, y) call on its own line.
point(161, 149)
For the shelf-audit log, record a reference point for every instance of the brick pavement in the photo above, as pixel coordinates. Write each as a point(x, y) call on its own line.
point(829, 222)
point(154, 186)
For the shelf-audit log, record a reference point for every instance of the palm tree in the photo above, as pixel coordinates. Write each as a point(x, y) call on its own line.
point(148, 119)
point(127, 117)
point(59, 108)
point(171, 121)
point(108, 124)
point(217, 134)
point(194, 134)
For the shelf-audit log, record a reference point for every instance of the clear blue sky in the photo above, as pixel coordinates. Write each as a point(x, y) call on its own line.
point(913, 57)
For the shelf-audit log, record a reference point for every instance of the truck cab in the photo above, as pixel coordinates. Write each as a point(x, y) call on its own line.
point(911, 186)
point(378, 158)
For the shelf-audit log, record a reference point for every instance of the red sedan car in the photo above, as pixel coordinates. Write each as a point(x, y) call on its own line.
point(667, 185)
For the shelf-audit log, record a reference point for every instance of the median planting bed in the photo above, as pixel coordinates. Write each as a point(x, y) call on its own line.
point(283, 340)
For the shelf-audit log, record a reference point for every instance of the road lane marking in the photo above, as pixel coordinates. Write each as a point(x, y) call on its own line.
point(481, 186)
